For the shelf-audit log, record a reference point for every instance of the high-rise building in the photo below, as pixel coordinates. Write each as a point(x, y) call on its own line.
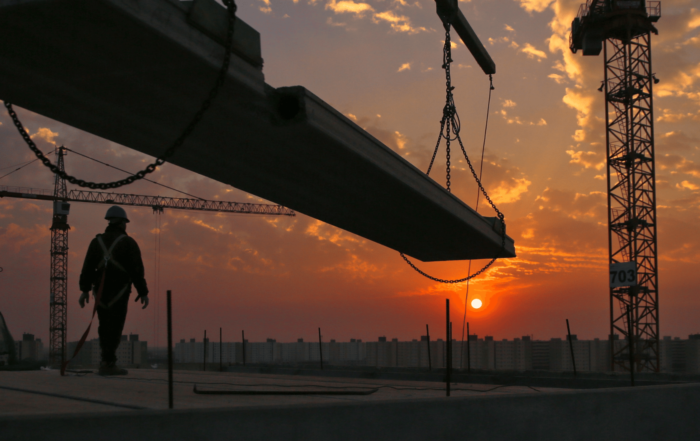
point(29, 348)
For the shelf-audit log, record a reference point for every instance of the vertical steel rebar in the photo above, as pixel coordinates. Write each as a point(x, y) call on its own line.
point(320, 347)
point(630, 344)
point(571, 346)
point(243, 345)
point(447, 347)
point(170, 350)
point(430, 361)
point(204, 352)
point(221, 351)
point(397, 353)
point(469, 359)
point(451, 350)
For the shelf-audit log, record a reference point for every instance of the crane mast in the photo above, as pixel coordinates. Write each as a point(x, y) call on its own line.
point(622, 30)
point(61, 198)
point(58, 306)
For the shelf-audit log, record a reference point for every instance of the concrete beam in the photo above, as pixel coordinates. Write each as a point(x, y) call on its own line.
point(449, 9)
point(135, 73)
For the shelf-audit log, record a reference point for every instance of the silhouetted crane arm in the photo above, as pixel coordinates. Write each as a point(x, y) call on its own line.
point(156, 202)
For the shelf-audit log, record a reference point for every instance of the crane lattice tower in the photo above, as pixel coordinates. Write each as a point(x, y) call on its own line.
point(622, 30)
point(58, 307)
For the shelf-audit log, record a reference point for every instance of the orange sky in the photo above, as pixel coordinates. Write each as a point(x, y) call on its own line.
point(378, 62)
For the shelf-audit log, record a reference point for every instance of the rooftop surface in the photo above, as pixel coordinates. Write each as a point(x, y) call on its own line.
point(40, 405)
point(46, 392)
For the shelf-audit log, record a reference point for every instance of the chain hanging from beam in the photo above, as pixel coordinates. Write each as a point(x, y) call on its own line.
point(221, 78)
point(450, 127)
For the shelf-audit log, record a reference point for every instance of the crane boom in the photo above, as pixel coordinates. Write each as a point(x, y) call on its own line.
point(100, 197)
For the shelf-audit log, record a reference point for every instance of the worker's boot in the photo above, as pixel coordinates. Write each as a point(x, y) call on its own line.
point(110, 368)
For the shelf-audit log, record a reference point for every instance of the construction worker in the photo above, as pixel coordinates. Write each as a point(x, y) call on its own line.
point(113, 262)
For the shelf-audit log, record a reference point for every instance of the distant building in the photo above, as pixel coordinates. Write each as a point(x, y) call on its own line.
point(519, 354)
point(131, 352)
point(29, 348)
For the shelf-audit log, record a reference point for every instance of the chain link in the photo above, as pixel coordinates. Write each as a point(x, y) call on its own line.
point(160, 160)
point(450, 123)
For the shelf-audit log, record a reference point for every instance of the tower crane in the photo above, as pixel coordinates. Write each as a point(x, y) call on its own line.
point(622, 30)
point(62, 197)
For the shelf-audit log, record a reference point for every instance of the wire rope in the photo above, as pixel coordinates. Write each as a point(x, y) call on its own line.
point(17, 165)
point(128, 172)
point(21, 166)
point(476, 208)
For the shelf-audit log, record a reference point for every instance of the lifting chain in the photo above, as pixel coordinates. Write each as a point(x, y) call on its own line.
point(231, 10)
point(449, 130)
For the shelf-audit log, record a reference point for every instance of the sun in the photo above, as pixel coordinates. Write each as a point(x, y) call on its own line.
point(476, 303)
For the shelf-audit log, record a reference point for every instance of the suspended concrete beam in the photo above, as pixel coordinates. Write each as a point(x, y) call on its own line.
point(135, 72)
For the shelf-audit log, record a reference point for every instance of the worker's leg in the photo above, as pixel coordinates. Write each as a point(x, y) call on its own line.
point(111, 326)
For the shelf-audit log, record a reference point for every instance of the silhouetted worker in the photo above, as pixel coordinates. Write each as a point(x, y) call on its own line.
point(116, 257)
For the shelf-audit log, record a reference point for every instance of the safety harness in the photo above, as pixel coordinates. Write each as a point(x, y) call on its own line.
point(108, 259)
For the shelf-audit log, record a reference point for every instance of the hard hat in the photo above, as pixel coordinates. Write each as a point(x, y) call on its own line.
point(116, 212)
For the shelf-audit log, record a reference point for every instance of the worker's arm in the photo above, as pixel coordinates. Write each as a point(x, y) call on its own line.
point(88, 275)
point(136, 270)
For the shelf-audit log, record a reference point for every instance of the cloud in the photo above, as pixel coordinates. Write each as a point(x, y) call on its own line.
point(405, 66)
point(533, 52)
point(582, 102)
point(510, 191)
point(509, 29)
point(685, 185)
point(16, 237)
point(45, 134)
point(509, 103)
point(503, 39)
point(266, 8)
point(399, 23)
point(330, 22)
point(694, 21)
point(534, 5)
point(667, 115)
point(348, 6)
point(400, 140)
point(588, 159)
point(558, 78)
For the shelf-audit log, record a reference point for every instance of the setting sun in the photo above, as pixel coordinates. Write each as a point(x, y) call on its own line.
point(476, 303)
